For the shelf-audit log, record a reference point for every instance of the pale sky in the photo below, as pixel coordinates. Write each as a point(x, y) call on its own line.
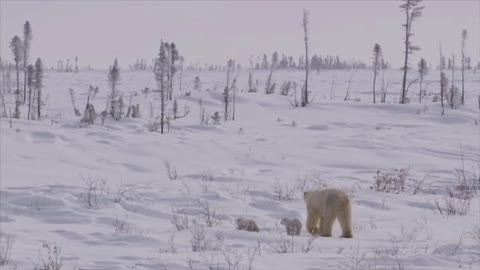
point(214, 31)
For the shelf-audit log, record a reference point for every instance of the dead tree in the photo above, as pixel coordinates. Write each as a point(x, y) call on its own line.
point(234, 93)
point(377, 55)
point(412, 11)
point(443, 89)
point(422, 71)
point(464, 38)
point(347, 94)
point(30, 73)
point(305, 31)
point(176, 116)
point(226, 91)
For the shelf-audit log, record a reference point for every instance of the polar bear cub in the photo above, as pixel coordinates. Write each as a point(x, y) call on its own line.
point(293, 226)
point(247, 225)
point(324, 206)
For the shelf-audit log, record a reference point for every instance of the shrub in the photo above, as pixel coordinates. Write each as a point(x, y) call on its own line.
point(390, 182)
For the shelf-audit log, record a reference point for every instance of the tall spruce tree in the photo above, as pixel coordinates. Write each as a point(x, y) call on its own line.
point(377, 55)
point(27, 39)
point(412, 11)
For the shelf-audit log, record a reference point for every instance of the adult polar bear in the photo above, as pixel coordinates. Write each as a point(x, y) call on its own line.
point(323, 207)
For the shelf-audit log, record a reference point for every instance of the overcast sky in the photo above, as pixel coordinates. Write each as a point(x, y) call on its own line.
point(213, 31)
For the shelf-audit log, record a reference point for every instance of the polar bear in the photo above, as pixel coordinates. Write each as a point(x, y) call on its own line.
point(323, 207)
point(247, 225)
point(293, 226)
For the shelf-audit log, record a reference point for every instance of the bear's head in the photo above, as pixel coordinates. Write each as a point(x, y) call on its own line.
point(284, 221)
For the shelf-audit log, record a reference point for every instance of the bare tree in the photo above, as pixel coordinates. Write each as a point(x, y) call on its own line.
point(17, 48)
point(234, 97)
point(197, 84)
point(412, 11)
point(443, 88)
point(452, 87)
point(464, 38)
point(38, 83)
point(422, 71)
point(30, 75)
point(377, 55)
point(305, 31)
point(181, 61)
point(226, 91)
point(269, 88)
point(76, 64)
point(27, 39)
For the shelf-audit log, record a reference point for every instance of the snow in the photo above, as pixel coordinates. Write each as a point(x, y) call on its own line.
point(234, 168)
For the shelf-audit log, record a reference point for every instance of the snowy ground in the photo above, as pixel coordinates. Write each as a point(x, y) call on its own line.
point(235, 169)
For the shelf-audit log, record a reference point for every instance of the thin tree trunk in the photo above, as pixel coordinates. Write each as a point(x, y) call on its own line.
point(29, 101)
point(33, 101)
point(4, 108)
point(162, 109)
point(25, 81)
point(233, 101)
point(181, 76)
point(162, 100)
point(420, 94)
point(374, 79)
point(405, 64)
point(39, 102)
point(18, 81)
point(463, 76)
point(306, 68)
point(305, 30)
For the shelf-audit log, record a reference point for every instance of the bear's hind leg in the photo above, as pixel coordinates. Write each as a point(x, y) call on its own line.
point(345, 220)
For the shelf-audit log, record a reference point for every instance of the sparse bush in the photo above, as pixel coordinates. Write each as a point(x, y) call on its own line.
point(181, 221)
point(207, 176)
point(216, 118)
point(421, 185)
point(52, 260)
point(125, 190)
point(121, 226)
point(391, 182)
point(136, 111)
point(452, 206)
point(171, 171)
point(284, 193)
point(282, 243)
point(6, 245)
point(285, 88)
point(89, 115)
point(93, 188)
point(209, 214)
point(308, 246)
point(355, 260)
point(466, 187)
point(310, 182)
point(251, 254)
point(475, 237)
point(154, 125)
point(198, 242)
point(233, 258)
point(72, 98)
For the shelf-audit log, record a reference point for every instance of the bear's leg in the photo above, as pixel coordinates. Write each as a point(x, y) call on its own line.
point(321, 226)
point(345, 220)
point(327, 224)
point(312, 222)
